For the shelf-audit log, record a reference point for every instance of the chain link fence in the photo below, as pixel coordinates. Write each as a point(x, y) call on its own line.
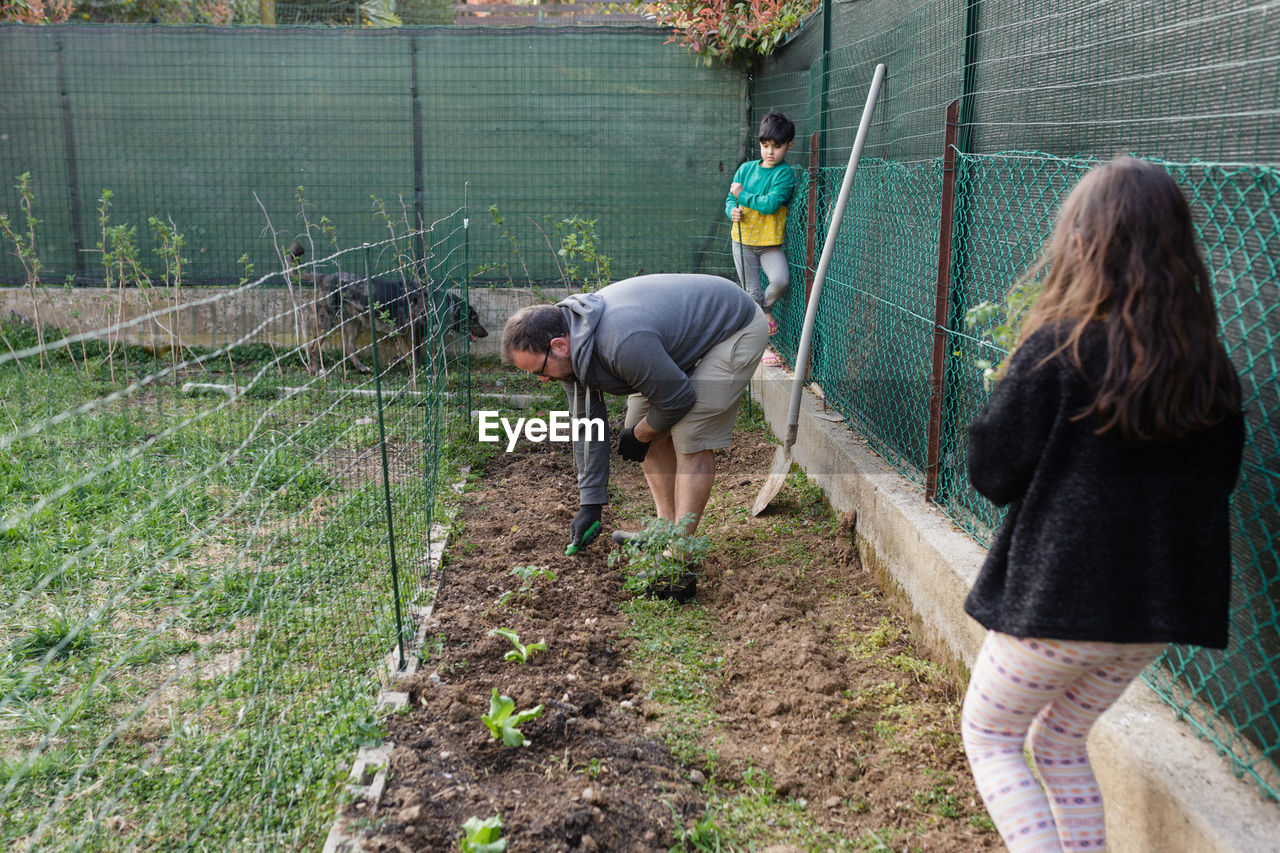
point(872, 361)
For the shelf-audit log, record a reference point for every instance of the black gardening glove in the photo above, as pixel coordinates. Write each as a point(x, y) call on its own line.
point(630, 447)
point(585, 528)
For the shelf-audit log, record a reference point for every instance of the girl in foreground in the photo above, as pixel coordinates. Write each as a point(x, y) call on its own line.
point(1114, 438)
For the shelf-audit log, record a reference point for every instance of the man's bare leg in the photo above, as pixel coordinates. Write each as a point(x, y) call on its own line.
point(695, 474)
point(659, 468)
point(679, 482)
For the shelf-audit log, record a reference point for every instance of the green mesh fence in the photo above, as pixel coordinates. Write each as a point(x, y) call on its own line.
point(1233, 696)
point(221, 131)
point(1182, 86)
point(871, 358)
point(177, 553)
point(214, 542)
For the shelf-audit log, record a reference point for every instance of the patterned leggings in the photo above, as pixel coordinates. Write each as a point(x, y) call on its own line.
point(1046, 695)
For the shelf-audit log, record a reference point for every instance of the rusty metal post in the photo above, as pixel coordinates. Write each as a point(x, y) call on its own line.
point(811, 228)
point(942, 303)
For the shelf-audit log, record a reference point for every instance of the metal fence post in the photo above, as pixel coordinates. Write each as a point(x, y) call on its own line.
point(69, 158)
point(811, 227)
point(382, 443)
point(942, 304)
point(419, 168)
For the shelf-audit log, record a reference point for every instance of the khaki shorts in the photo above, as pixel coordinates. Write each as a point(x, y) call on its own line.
point(718, 381)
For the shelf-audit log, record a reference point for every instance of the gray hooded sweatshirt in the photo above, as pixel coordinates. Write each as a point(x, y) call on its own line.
point(644, 336)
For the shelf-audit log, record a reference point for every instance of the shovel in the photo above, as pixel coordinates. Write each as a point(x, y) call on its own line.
point(782, 458)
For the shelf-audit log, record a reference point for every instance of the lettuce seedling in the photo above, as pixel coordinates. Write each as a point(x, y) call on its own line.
point(503, 722)
point(521, 653)
point(482, 836)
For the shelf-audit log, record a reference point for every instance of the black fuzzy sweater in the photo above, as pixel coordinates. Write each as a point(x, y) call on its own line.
point(1104, 540)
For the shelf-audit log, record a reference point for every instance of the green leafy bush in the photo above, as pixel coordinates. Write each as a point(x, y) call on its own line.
point(731, 31)
point(1004, 334)
point(662, 554)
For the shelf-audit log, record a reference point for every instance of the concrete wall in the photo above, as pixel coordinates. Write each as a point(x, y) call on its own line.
point(1165, 789)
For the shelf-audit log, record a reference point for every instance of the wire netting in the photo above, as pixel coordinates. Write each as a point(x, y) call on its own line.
point(1064, 88)
point(216, 533)
point(1231, 696)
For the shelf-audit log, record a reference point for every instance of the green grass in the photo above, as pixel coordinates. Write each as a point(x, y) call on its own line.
point(197, 592)
point(752, 815)
point(678, 656)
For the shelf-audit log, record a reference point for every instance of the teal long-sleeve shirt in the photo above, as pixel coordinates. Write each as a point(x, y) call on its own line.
point(763, 190)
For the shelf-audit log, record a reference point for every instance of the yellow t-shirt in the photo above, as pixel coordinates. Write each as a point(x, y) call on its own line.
point(764, 198)
point(761, 229)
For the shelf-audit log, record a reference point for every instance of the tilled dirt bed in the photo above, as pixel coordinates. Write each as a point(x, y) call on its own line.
point(818, 685)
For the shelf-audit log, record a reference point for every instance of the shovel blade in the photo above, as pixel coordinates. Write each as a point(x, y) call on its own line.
point(773, 482)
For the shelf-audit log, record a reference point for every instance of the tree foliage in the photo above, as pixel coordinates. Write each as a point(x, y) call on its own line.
point(35, 11)
point(735, 32)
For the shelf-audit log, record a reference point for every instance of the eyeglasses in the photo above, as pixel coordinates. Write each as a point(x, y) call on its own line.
point(541, 371)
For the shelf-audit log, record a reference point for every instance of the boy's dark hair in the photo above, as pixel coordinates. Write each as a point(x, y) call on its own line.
point(775, 127)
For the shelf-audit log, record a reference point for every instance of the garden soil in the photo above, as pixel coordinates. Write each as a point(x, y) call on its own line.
point(819, 686)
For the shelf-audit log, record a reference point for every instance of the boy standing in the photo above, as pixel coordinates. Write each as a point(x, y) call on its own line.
point(757, 204)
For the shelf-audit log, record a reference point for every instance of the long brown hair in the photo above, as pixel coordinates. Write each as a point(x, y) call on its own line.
point(1124, 253)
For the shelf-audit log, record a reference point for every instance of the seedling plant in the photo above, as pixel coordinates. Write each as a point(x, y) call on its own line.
point(521, 653)
point(528, 575)
point(663, 553)
point(504, 722)
point(482, 836)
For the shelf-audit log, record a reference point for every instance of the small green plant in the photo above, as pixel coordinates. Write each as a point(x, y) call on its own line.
point(482, 836)
point(579, 242)
point(939, 798)
point(575, 247)
point(433, 647)
point(530, 574)
point(1003, 335)
point(521, 653)
point(60, 634)
point(663, 553)
point(500, 222)
point(504, 722)
point(879, 638)
point(703, 835)
point(23, 239)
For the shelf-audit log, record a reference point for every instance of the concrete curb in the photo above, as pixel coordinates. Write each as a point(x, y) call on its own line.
point(1165, 789)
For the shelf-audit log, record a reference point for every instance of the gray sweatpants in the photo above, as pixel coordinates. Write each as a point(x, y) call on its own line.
point(749, 259)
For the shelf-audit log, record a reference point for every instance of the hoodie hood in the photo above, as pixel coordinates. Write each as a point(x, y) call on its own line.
point(582, 312)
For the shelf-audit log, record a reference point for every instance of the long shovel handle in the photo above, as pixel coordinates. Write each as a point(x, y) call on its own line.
point(828, 248)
